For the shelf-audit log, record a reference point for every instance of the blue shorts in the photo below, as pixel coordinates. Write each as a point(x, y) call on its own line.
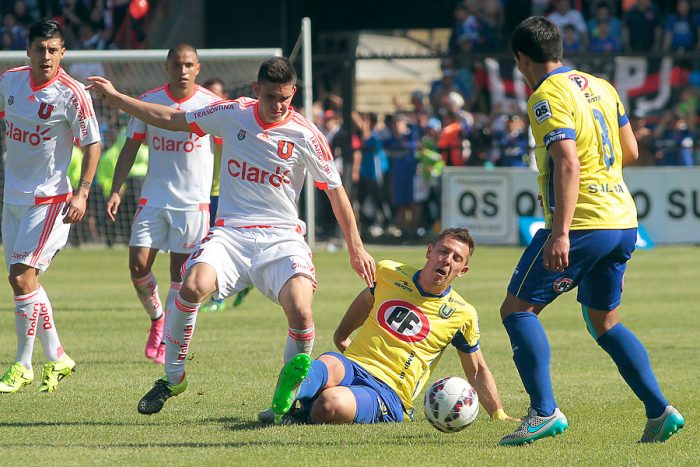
point(376, 401)
point(597, 263)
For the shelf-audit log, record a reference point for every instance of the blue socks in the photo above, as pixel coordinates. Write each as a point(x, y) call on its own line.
point(314, 381)
point(531, 357)
point(633, 363)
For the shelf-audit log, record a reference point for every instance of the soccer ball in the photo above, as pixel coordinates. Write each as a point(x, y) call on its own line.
point(451, 404)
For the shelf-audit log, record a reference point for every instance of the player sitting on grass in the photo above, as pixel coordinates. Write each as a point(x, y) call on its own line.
point(406, 322)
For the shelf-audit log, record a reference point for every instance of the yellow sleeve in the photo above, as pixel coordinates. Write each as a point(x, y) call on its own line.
point(550, 117)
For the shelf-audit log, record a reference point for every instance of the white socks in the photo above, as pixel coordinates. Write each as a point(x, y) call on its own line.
point(299, 341)
point(147, 291)
point(181, 319)
point(34, 316)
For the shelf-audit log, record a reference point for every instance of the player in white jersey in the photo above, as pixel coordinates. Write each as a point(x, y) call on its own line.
point(44, 110)
point(258, 236)
point(173, 212)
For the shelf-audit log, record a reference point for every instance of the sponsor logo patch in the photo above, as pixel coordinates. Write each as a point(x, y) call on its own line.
point(542, 111)
point(403, 320)
point(563, 285)
point(446, 311)
point(241, 135)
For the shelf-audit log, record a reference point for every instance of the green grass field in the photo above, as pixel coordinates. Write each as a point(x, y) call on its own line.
point(235, 356)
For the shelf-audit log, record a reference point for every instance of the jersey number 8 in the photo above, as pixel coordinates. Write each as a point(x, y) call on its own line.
point(608, 155)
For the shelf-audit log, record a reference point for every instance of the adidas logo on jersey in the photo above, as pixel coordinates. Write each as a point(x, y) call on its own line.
point(251, 173)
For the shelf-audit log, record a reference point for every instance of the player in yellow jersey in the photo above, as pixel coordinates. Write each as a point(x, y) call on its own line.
point(583, 138)
point(406, 322)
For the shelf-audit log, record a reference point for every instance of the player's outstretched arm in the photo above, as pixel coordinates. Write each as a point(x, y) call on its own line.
point(74, 209)
point(361, 261)
point(479, 375)
point(153, 114)
point(125, 162)
point(357, 313)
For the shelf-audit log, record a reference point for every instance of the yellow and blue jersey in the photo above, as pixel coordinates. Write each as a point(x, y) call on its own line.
point(570, 104)
point(408, 330)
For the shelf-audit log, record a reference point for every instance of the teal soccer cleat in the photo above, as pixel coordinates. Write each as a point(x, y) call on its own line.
point(534, 427)
point(663, 427)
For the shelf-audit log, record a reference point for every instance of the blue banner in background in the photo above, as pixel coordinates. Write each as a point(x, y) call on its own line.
point(530, 225)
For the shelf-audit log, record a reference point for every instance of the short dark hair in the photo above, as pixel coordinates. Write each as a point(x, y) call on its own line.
point(46, 29)
point(460, 233)
point(277, 70)
point(539, 39)
point(180, 48)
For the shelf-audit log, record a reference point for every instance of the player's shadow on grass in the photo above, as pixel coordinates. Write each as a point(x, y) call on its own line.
point(236, 423)
point(61, 424)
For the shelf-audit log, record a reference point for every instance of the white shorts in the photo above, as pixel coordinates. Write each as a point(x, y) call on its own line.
point(32, 235)
point(264, 257)
point(167, 229)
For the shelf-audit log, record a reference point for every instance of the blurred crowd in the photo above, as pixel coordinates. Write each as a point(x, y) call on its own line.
point(597, 26)
point(88, 24)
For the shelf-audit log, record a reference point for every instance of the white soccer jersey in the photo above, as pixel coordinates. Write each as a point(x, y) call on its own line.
point(41, 123)
point(263, 166)
point(180, 164)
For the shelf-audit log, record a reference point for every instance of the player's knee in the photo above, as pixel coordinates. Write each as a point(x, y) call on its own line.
point(197, 286)
point(331, 407)
point(22, 280)
point(138, 269)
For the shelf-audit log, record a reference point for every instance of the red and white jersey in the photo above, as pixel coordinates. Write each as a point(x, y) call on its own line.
point(263, 166)
point(180, 164)
point(41, 123)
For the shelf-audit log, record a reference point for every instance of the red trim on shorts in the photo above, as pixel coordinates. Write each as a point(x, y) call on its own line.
point(143, 201)
point(139, 136)
point(49, 222)
point(204, 207)
point(2, 114)
point(321, 185)
point(218, 140)
point(52, 199)
point(197, 129)
point(302, 337)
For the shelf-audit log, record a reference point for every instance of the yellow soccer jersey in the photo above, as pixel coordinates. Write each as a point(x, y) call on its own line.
point(408, 329)
point(570, 104)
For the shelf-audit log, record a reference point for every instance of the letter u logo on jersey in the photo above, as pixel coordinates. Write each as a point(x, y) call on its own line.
point(284, 149)
point(45, 110)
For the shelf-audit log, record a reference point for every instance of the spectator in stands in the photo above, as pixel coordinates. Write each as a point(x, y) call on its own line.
point(604, 13)
point(570, 40)
point(23, 15)
point(14, 35)
point(427, 188)
point(642, 32)
point(491, 16)
point(563, 14)
point(512, 143)
point(682, 29)
point(673, 140)
point(369, 172)
point(454, 148)
point(401, 148)
point(645, 140)
point(604, 41)
point(461, 14)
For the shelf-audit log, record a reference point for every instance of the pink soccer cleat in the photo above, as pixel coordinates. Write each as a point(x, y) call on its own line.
point(155, 336)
